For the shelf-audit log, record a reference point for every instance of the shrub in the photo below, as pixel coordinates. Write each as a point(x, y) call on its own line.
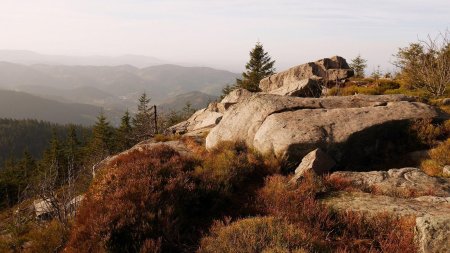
point(388, 85)
point(229, 165)
point(440, 154)
point(426, 132)
point(258, 234)
point(369, 87)
point(50, 237)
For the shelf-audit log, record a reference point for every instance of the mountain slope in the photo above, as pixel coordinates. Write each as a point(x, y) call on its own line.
point(20, 105)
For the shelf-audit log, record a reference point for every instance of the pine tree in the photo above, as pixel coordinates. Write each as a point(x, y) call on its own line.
point(143, 126)
point(101, 143)
point(358, 65)
point(124, 138)
point(72, 142)
point(27, 165)
point(226, 90)
point(72, 149)
point(259, 67)
point(188, 110)
point(53, 163)
point(376, 74)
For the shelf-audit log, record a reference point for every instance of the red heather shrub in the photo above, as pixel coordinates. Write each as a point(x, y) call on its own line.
point(330, 231)
point(144, 203)
point(159, 200)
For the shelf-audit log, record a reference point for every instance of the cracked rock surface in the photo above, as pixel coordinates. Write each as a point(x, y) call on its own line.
point(291, 127)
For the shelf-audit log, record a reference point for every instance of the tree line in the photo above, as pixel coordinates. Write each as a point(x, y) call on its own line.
point(43, 157)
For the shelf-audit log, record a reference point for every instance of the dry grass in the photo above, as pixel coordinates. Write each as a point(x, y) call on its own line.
point(48, 237)
point(255, 235)
point(369, 87)
point(164, 137)
point(439, 158)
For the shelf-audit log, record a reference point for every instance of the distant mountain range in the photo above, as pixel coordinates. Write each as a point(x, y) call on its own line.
point(29, 58)
point(84, 90)
point(112, 84)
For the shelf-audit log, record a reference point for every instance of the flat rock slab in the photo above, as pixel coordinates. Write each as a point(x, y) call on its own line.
point(432, 218)
point(405, 179)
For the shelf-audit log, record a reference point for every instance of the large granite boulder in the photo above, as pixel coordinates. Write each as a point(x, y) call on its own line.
point(307, 80)
point(316, 162)
point(203, 120)
point(291, 127)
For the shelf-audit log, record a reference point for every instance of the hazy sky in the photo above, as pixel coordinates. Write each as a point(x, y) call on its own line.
point(220, 33)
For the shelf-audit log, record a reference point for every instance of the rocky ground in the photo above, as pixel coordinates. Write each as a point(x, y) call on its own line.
point(344, 136)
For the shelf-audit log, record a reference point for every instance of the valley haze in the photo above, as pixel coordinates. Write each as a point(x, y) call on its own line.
point(110, 83)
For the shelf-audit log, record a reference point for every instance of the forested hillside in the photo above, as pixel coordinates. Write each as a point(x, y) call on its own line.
point(33, 136)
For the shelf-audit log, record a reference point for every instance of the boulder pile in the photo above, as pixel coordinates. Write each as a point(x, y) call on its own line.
point(307, 80)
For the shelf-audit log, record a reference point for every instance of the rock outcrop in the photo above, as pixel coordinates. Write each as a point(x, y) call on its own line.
point(291, 127)
point(316, 162)
point(205, 119)
point(307, 80)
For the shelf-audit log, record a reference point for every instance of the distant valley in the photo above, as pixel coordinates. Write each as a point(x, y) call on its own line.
point(81, 91)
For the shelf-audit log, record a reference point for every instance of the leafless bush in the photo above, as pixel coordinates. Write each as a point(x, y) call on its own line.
point(426, 63)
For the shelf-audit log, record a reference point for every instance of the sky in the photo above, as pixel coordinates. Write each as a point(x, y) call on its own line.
point(221, 33)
